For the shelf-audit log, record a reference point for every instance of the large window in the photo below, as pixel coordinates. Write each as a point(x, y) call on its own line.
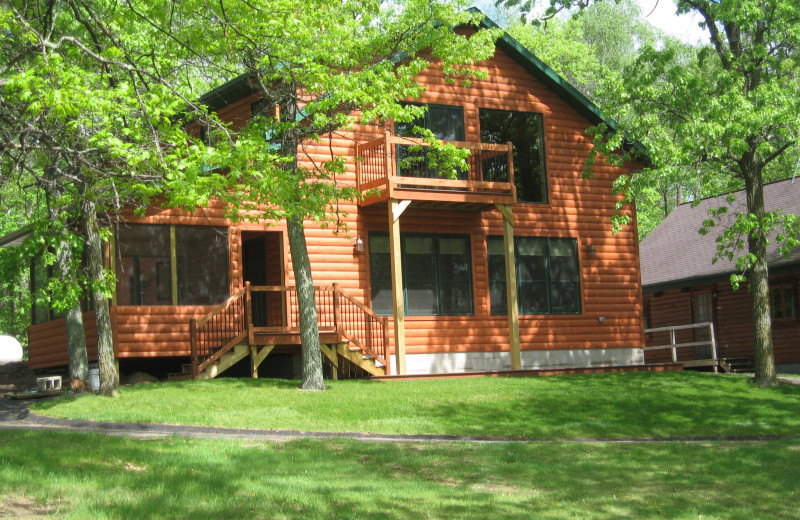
point(437, 274)
point(144, 266)
point(548, 278)
point(525, 131)
point(446, 123)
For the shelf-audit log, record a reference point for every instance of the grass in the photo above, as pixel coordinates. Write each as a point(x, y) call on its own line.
point(73, 476)
point(599, 405)
point(63, 475)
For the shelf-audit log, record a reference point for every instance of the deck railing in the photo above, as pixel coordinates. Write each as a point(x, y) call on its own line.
point(673, 345)
point(390, 161)
point(275, 310)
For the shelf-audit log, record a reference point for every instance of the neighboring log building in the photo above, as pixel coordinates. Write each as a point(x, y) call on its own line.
point(577, 291)
point(682, 286)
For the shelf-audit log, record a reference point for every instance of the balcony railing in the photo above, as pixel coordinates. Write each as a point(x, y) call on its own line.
point(392, 167)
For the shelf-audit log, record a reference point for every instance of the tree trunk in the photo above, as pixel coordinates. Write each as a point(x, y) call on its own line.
point(94, 261)
point(759, 287)
point(76, 337)
point(309, 327)
point(301, 266)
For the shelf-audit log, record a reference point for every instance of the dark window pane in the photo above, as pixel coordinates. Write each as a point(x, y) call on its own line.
point(547, 275)
point(564, 297)
point(524, 130)
point(144, 267)
point(419, 259)
point(454, 259)
point(497, 298)
point(203, 269)
point(446, 123)
point(382, 302)
point(532, 297)
point(437, 276)
point(380, 266)
point(456, 298)
point(421, 298)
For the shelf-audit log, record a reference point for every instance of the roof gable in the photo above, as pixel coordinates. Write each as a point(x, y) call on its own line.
point(675, 254)
point(239, 87)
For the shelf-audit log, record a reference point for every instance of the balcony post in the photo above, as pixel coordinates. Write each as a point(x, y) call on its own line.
point(395, 209)
point(511, 285)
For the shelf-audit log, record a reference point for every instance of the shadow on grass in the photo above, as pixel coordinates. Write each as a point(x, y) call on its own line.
point(179, 478)
point(663, 406)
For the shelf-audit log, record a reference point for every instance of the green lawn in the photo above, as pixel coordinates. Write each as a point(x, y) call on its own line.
point(63, 475)
point(599, 405)
point(59, 475)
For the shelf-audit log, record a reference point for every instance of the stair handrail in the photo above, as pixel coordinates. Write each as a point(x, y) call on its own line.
point(228, 321)
point(375, 340)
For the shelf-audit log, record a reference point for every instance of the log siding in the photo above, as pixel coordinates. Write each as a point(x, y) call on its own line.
point(576, 207)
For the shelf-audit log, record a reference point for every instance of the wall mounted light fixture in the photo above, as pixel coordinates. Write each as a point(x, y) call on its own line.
point(590, 249)
point(358, 245)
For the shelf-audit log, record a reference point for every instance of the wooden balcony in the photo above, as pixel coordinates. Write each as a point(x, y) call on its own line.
point(401, 168)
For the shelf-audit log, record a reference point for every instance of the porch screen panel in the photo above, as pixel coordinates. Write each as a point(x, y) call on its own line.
point(144, 266)
point(203, 269)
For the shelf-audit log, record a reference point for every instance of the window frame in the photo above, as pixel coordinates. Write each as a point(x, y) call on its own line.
point(439, 281)
point(542, 153)
point(549, 282)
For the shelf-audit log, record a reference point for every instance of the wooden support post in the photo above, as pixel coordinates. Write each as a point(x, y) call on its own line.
point(511, 286)
point(397, 285)
point(253, 366)
point(257, 357)
point(330, 353)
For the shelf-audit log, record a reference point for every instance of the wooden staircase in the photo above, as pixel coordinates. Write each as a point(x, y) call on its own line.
point(737, 365)
point(353, 339)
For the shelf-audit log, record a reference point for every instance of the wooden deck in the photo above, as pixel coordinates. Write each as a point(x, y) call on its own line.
point(347, 329)
point(381, 176)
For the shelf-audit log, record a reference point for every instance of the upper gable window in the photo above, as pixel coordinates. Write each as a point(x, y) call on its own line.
point(526, 133)
point(446, 123)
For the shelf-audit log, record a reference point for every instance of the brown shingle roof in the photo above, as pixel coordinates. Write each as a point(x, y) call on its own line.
point(675, 253)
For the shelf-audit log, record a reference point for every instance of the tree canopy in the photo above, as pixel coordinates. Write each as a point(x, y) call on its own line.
point(724, 115)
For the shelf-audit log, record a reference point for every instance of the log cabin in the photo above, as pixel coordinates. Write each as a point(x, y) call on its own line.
point(689, 300)
point(512, 266)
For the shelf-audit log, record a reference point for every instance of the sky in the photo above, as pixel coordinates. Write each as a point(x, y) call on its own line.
point(683, 27)
point(660, 13)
